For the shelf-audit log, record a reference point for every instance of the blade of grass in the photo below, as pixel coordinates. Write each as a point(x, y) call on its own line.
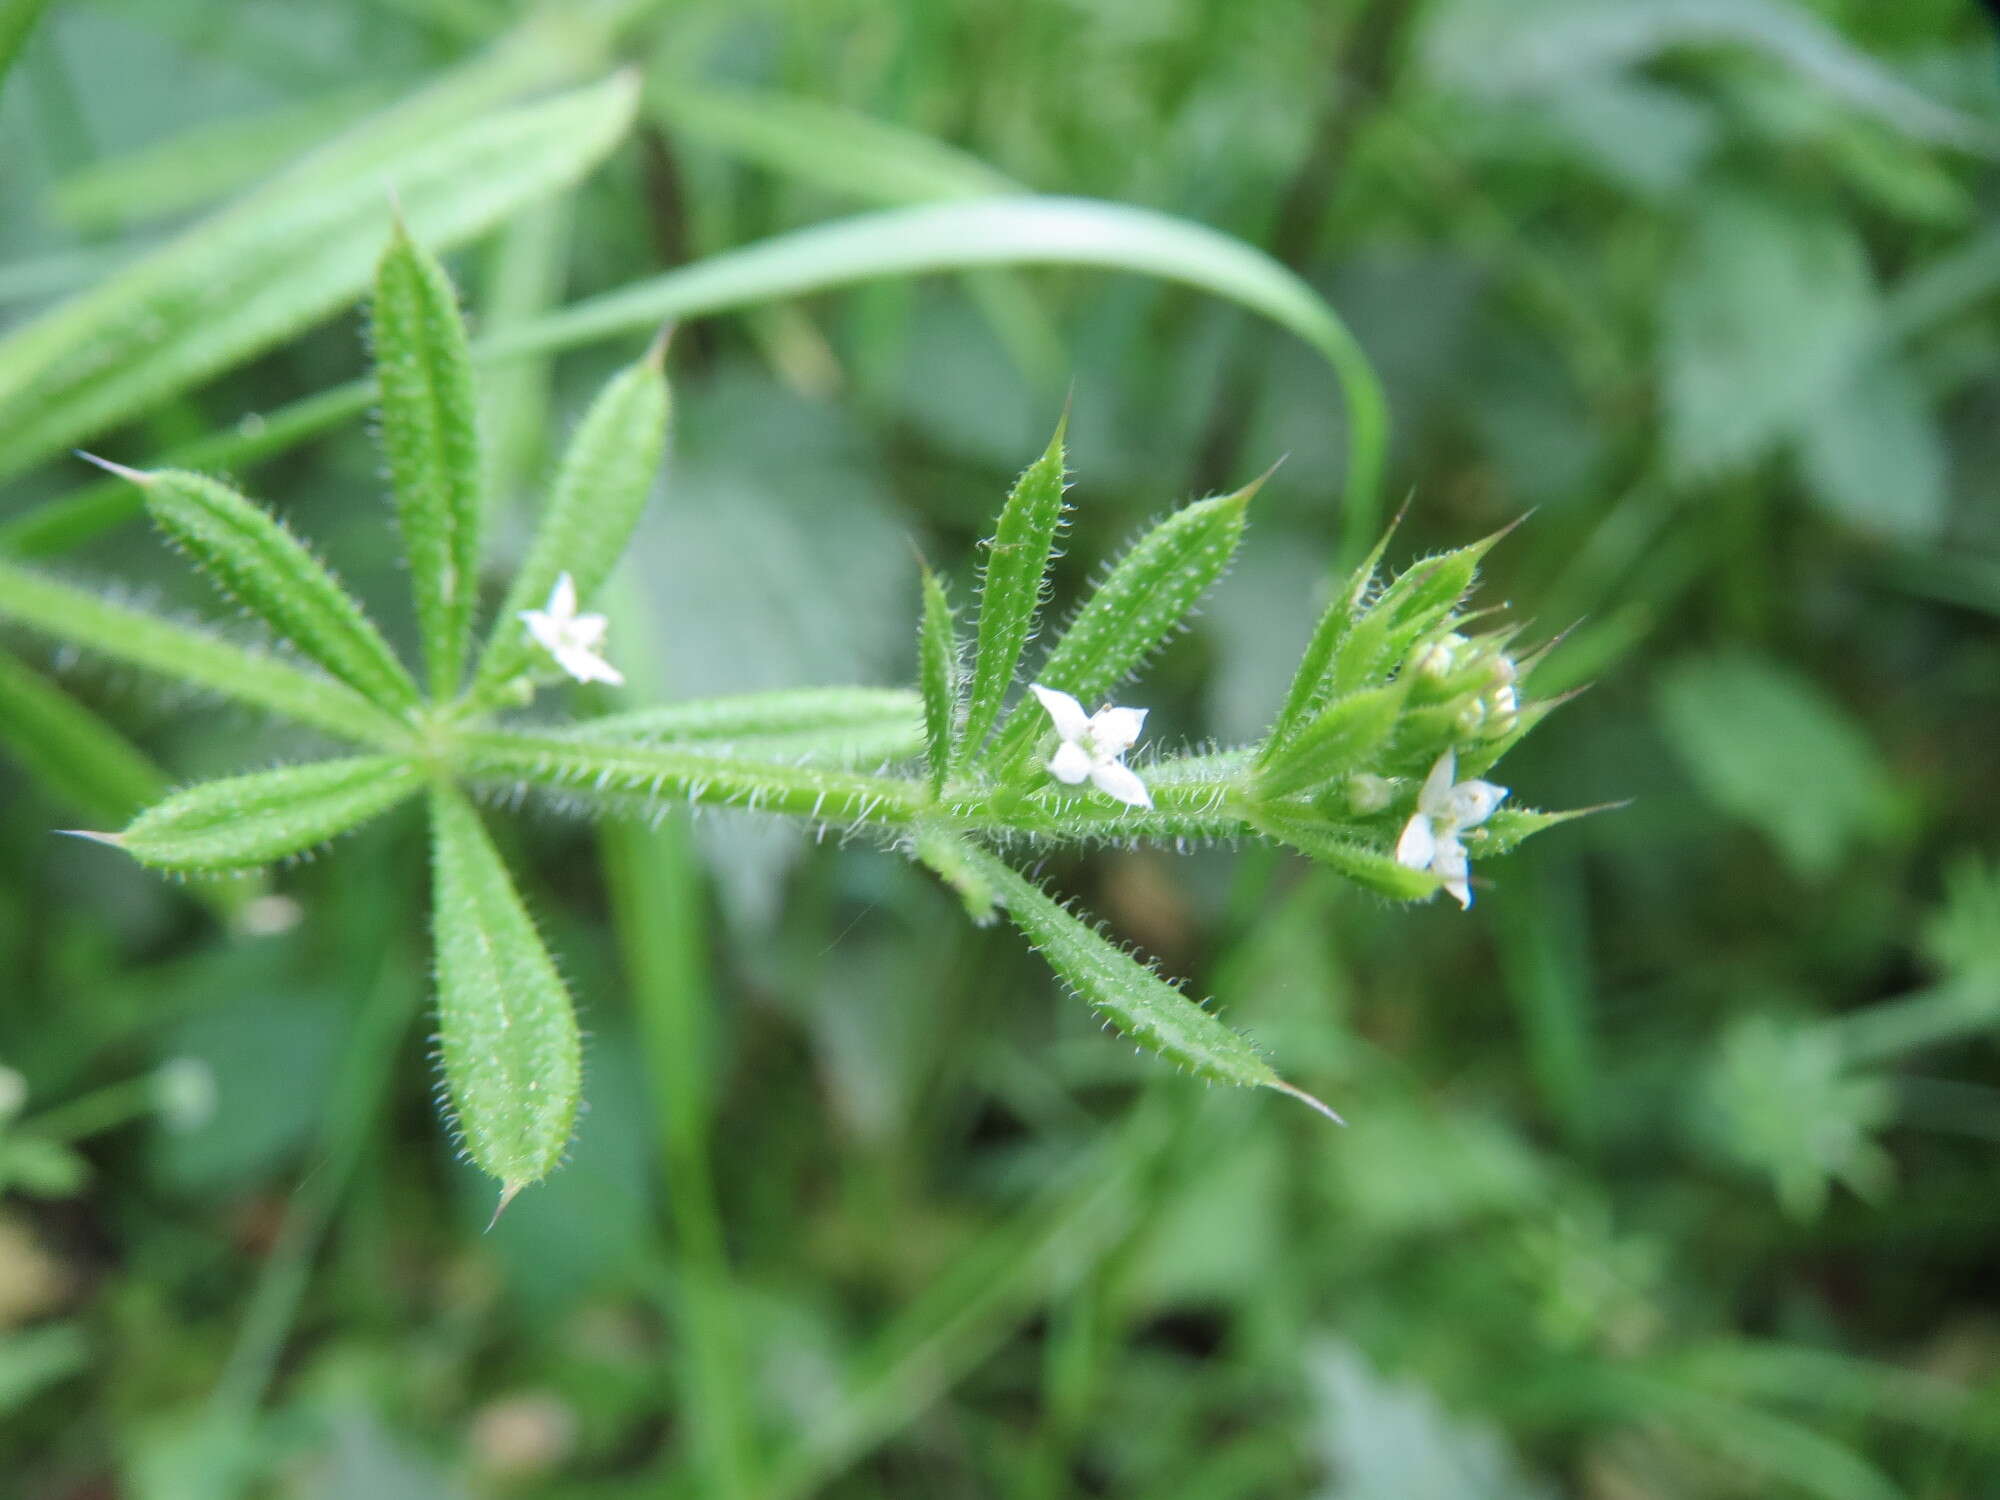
point(658, 907)
point(659, 914)
point(75, 754)
point(901, 242)
point(523, 279)
point(875, 163)
point(277, 262)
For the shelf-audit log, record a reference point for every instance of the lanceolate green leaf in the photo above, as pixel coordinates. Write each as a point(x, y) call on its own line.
point(1309, 681)
point(653, 777)
point(938, 676)
point(241, 822)
point(189, 655)
point(274, 264)
point(1338, 742)
point(605, 477)
point(1138, 606)
point(513, 1061)
point(791, 725)
point(1367, 867)
point(430, 436)
point(1124, 991)
point(258, 563)
point(69, 749)
point(1010, 593)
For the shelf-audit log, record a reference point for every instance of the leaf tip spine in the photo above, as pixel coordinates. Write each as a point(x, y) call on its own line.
point(115, 840)
point(508, 1192)
point(136, 476)
point(1308, 1100)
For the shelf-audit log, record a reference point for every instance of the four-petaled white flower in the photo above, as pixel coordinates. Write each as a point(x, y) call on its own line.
point(1093, 746)
point(1444, 810)
point(572, 639)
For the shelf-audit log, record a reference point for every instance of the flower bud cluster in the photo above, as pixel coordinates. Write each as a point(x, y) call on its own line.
point(1476, 676)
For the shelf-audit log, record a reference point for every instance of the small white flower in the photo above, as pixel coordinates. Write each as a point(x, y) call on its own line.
point(1444, 809)
point(574, 640)
point(1093, 746)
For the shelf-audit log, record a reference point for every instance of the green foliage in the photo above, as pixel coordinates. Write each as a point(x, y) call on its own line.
point(507, 1033)
point(275, 263)
point(1128, 994)
point(511, 1059)
point(606, 475)
point(241, 822)
point(69, 749)
point(1704, 285)
point(256, 563)
point(430, 437)
point(1010, 588)
point(149, 641)
point(1777, 753)
point(938, 674)
point(1141, 602)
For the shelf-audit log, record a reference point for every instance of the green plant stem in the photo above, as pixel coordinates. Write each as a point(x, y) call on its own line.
point(657, 905)
point(900, 242)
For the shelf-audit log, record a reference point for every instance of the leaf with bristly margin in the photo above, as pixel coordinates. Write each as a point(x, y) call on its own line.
point(256, 562)
point(1341, 740)
point(185, 654)
point(1510, 827)
point(69, 749)
point(601, 486)
point(1011, 588)
point(240, 822)
point(1309, 681)
point(1143, 1006)
point(636, 775)
point(279, 261)
point(797, 726)
point(430, 437)
point(1422, 598)
point(1364, 866)
point(938, 670)
point(1140, 603)
point(953, 861)
point(507, 1033)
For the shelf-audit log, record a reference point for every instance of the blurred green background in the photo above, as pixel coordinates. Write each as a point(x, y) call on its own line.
point(1672, 1168)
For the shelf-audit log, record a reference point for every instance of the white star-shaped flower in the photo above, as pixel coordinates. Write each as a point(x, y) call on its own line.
point(574, 640)
point(1093, 746)
point(1444, 809)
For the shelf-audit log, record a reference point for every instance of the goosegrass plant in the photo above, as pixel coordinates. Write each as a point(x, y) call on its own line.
point(1670, 1172)
point(1392, 703)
